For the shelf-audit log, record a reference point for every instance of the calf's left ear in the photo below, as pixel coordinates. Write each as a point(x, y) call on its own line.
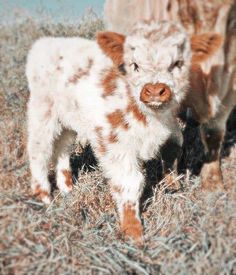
point(112, 45)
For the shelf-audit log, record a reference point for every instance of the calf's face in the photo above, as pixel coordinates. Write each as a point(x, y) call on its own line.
point(155, 59)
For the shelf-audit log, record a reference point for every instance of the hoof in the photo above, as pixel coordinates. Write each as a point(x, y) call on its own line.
point(131, 226)
point(211, 177)
point(64, 181)
point(134, 233)
point(46, 199)
point(42, 195)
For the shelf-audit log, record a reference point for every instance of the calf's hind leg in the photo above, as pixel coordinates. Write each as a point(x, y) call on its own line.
point(42, 130)
point(61, 159)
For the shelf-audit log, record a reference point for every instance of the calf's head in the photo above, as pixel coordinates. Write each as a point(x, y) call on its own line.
point(155, 59)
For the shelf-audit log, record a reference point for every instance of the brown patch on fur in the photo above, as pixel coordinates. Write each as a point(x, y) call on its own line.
point(109, 82)
point(68, 175)
point(117, 119)
point(112, 138)
point(39, 193)
point(112, 45)
point(81, 72)
point(203, 87)
point(138, 115)
point(204, 46)
point(156, 34)
point(133, 108)
point(197, 99)
point(130, 224)
point(101, 145)
point(189, 15)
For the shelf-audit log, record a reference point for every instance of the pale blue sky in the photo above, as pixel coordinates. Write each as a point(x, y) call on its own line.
point(56, 9)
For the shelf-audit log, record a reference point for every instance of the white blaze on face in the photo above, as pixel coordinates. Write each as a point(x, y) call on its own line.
point(158, 53)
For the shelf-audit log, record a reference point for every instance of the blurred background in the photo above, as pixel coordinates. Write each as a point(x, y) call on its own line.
point(56, 10)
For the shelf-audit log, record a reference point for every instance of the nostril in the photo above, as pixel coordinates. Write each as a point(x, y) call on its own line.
point(147, 92)
point(162, 91)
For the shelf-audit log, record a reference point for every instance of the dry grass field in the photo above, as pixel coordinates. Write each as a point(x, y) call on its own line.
point(186, 232)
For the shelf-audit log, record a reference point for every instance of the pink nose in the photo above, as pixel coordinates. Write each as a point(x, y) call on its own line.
point(159, 92)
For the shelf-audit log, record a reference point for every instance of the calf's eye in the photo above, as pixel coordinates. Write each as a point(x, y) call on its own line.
point(179, 63)
point(176, 64)
point(135, 66)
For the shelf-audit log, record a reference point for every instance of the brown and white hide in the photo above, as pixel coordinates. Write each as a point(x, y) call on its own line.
point(212, 94)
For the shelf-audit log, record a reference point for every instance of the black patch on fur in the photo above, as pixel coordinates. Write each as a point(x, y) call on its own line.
point(170, 152)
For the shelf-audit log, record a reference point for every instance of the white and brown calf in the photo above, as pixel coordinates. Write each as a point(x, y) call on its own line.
point(119, 94)
point(212, 91)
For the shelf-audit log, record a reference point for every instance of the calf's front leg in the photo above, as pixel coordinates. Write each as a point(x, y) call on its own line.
point(126, 182)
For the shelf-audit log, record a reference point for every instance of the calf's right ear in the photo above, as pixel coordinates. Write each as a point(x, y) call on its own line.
point(112, 45)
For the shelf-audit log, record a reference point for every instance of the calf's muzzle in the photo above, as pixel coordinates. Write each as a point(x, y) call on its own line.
point(158, 92)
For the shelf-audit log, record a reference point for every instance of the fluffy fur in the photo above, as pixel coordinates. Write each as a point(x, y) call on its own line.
point(212, 93)
point(92, 90)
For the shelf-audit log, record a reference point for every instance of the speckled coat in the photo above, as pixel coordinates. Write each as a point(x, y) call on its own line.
point(95, 90)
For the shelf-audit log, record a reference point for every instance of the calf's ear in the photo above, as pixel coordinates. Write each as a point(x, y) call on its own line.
point(204, 46)
point(112, 45)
